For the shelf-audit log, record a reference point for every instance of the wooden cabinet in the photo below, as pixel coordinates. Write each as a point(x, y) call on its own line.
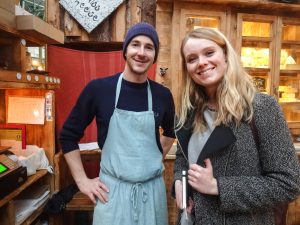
point(270, 50)
point(16, 82)
point(42, 135)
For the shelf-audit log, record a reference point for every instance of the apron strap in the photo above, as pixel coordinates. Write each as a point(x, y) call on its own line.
point(137, 194)
point(119, 90)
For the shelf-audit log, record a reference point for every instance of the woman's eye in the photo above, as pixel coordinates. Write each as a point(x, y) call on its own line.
point(210, 53)
point(190, 60)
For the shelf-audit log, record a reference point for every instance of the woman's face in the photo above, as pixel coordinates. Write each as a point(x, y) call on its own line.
point(205, 62)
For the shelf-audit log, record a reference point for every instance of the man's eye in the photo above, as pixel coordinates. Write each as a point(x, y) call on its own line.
point(149, 47)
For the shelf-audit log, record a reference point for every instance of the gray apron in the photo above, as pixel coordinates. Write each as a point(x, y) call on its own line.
point(131, 167)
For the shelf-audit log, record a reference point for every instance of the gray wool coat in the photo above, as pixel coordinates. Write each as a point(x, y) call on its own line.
point(250, 180)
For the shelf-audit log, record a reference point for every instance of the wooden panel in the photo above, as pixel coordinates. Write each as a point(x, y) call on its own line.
point(135, 11)
point(2, 106)
point(164, 30)
point(7, 215)
point(72, 28)
point(293, 215)
point(12, 54)
point(119, 24)
point(53, 13)
point(168, 178)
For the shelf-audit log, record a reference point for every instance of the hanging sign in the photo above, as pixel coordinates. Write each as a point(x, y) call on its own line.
point(90, 13)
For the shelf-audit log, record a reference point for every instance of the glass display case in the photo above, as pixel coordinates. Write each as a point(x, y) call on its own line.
point(289, 82)
point(193, 19)
point(270, 51)
point(256, 41)
point(194, 22)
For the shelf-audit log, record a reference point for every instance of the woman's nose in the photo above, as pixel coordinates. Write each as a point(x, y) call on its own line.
point(202, 61)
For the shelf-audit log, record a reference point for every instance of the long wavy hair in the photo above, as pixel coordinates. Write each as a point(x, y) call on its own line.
point(235, 93)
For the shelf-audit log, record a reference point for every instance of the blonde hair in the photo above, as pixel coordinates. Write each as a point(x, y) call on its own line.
point(235, 93)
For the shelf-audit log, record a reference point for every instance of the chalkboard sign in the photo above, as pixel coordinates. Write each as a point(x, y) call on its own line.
point(90, 13)
point(260, 84)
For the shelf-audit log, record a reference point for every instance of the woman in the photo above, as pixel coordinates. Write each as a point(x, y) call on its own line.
point(233, 180)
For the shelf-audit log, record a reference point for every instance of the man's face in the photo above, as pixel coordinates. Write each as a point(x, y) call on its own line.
point(140, 54)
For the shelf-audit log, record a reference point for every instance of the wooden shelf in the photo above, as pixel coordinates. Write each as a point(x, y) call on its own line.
point(34, 215)
point(14, 79)
point(80, 202)
point(41, 30)
point(257, 71)
point(256, 39)
point(36, 31)
point(289, 72)
point(290, 42)
point(31, 179)
point(290, 103)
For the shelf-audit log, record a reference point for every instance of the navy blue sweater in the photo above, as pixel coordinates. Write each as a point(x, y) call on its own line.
point(97, 100)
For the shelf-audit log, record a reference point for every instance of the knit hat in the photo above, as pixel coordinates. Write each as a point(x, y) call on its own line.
point(141, 29)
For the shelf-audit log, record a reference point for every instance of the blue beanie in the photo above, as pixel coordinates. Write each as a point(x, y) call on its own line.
point(141, 29)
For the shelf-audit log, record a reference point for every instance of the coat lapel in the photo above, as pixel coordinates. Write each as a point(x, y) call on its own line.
point(221, 137)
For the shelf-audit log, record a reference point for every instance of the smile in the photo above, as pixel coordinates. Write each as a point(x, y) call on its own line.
point(206, 70)
point(140, 61)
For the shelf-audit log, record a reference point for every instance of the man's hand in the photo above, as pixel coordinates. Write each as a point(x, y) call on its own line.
point(93, 187)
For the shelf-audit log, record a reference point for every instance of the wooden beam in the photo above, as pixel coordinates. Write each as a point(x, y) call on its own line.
point(258, 4)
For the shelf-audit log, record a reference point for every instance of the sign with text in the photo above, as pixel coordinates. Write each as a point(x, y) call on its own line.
point(90, 13)
point(26, 110)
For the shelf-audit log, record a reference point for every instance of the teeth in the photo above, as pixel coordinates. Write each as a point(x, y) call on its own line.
point(204, 71)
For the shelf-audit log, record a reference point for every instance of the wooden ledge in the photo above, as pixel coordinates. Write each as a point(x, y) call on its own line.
point(80, 202)
point(34, 26)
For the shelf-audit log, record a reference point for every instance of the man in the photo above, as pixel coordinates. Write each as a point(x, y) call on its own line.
point(129, 111)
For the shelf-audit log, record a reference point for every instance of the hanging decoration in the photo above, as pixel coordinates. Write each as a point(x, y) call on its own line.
point(90, 13)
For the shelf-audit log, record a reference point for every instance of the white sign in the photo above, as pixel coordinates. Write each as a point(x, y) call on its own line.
point(90, 13)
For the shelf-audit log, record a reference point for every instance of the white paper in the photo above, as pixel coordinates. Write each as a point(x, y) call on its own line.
point(88, 146)
point(25, 207)
point(26, 110)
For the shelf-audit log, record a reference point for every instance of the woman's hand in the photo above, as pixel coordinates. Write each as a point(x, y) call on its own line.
point(202, 179)
point(93, 188)
point(178, 193)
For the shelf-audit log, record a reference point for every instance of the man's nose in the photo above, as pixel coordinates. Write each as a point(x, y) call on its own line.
point(141, 50)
